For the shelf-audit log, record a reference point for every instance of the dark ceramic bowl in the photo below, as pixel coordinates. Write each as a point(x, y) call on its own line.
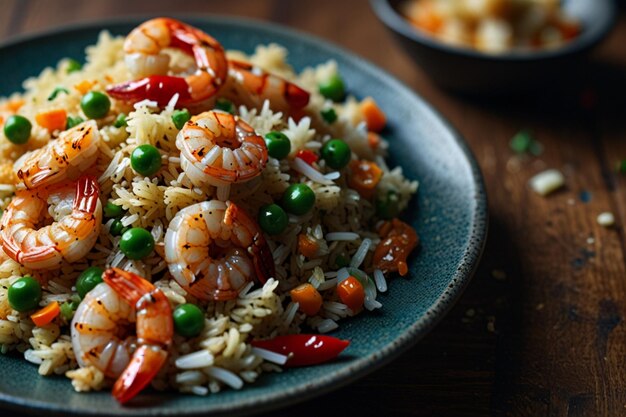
point(466, 70)
point(449, 212)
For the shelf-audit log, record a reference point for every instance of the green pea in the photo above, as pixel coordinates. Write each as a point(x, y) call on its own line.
point(88, 279)
point(146, 160)
point(73, 66)
point(137, 243)
point(273, 219)
point(333, 88)
point(95, 104)
point(112, 210)
point(336, 153)
point(387, 208)
point(73, 121)
point(56, 92)
point(225, 105)
point(329, 115)
point(278, 145)
point(120, 120)
point(117, 228)
point(24, 294)
point(298, 199)
point(180, 117)
point(188, 320)
point(17, 129)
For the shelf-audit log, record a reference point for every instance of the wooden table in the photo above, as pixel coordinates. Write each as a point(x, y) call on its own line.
point(539, 331)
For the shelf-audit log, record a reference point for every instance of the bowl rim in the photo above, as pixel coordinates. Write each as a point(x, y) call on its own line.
point(477, 238)
point(587, 40)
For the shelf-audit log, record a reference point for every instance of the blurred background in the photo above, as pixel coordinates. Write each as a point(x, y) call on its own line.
point(540, 330)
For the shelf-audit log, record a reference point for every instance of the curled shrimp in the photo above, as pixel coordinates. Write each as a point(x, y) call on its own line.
point(144, 58)
point(208, 247)
point(72, 234)
point(251, 86)
point(105, 313)
point(218, 148)
point(66, 157)
point(398, 239)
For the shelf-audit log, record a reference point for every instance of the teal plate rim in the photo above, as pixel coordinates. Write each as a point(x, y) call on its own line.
point(358, 368)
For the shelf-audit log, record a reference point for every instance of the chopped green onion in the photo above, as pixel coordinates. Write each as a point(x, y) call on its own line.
point(120, 121)
point(225, 105)
point(521, 142)
point(67, 311)
point(73, 66)
point(387, 208)
point(56, 92)
point(73, 121)
point(329, 115)
point(180, 117)
point(621, 166)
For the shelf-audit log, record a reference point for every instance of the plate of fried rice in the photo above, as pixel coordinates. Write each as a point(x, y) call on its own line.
point(207, 215)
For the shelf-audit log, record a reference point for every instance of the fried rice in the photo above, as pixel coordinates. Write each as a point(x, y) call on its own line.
point(342, 223)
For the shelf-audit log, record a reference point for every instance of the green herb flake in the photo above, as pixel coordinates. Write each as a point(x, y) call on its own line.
point(56, 92)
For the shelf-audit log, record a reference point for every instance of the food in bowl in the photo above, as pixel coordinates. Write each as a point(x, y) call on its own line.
point(493, 26)
point(185, 217)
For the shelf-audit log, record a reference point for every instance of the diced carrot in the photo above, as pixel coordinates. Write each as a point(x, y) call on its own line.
point(373, 139)
point(427, 18)
point(308, 298)
point(351, 293)
point(46, 314)
point(307, 246)
point(52, 119)
point(365, 176)
point(373, 115)
point(84, 86)
point(13, 105)
point(568, 29)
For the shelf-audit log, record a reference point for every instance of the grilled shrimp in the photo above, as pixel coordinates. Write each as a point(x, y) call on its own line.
point(144, 58)
point(251, 86)
point(218, 148)
point(64, 158)
point(208, 247)
point(69, 237)
point(105, 313)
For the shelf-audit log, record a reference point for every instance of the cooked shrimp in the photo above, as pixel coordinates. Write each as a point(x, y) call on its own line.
point(218, 148)
point(208, 247)
point(144, 58)
point(61, 159)
point(104, 314)
point(69, 237)
point(251, 86)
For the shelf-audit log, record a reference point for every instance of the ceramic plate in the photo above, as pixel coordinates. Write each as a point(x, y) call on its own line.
point(449, 213)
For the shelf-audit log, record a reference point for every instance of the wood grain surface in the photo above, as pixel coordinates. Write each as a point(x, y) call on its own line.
point(540, 331)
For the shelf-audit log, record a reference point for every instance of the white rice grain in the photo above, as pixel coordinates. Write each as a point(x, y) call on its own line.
point(195, 360)
point(305, 169)
point(270, 356)
point(360, 254)
point(381, 282)
point(342, 236)
point(327, 325)
point(229, 378)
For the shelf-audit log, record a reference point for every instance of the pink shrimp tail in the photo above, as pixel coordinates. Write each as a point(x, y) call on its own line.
point(159, 88)
point(131, 287)
point(145, 364)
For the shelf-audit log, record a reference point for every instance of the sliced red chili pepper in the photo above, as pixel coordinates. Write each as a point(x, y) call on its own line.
point(304, 349)
point(307, 156)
